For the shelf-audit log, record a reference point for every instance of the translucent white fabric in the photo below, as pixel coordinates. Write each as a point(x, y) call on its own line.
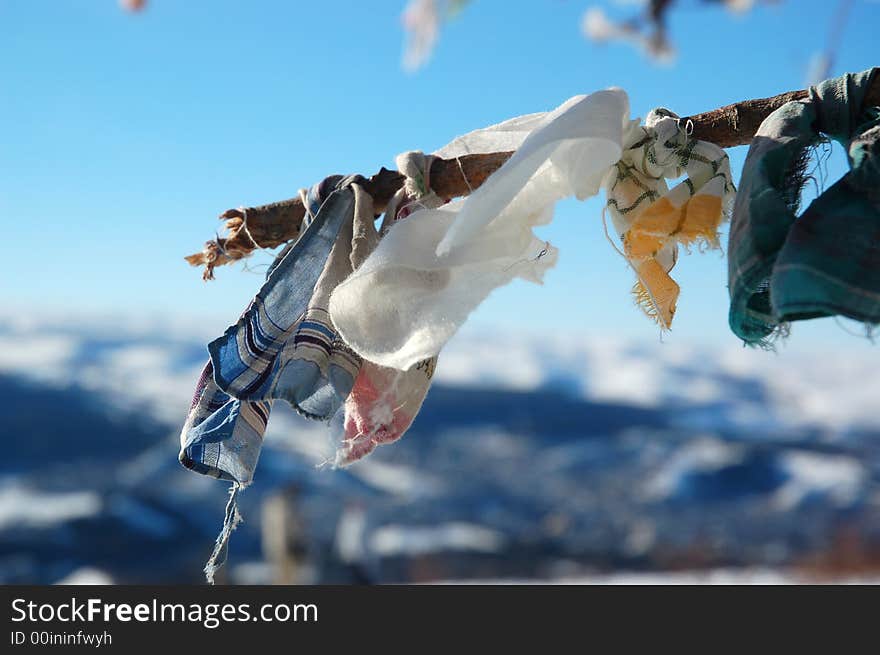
point(568, 153)
point(432, 270)
point(501, 137)
point(385, 401)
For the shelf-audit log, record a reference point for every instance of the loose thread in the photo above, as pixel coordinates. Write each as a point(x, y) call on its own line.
point(221, 546)
point(464, 175)
point(244, 227)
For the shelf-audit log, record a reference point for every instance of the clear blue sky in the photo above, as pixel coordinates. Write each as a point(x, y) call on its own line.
point(125, 135)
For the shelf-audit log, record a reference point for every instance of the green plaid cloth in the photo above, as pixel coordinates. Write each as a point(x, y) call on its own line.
point(826, 262)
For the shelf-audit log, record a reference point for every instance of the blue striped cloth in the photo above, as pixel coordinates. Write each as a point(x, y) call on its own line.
point(245, 356)
point(284, 346)
point(222, 437)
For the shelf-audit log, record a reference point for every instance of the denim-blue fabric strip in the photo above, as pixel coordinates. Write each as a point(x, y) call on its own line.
point(244, 356)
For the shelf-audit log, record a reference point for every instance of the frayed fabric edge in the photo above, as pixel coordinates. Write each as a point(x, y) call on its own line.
point(230, 522)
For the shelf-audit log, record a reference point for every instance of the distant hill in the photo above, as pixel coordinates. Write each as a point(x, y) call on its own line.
point(549, 468)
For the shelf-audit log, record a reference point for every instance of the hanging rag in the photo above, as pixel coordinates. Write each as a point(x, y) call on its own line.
point(346, 320)
point(385, 401)
point(284, 346)
point(222, 437)
point(826, 262)
point(653, 220)
point(431, 270)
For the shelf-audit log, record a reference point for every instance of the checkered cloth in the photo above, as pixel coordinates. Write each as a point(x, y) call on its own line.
point(653, 220)
point(385, 401)
point(284, 346)
point(826, 262)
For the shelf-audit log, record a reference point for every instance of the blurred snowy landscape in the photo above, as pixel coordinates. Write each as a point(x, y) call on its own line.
point(586, 460)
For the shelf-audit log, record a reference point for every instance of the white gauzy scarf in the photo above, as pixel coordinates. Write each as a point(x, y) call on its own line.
point(430, 271)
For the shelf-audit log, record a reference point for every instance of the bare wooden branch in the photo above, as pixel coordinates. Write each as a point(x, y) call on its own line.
point(268, 226)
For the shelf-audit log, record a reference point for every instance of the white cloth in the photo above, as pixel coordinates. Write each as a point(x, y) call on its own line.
point(651, 219)
point(568, 153)
point(385, 401)
point(430, 271)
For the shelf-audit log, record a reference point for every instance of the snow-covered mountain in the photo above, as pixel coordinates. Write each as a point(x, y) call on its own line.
point(531, 458)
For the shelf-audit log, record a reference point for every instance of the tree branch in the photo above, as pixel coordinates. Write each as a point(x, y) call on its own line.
point(268, 226)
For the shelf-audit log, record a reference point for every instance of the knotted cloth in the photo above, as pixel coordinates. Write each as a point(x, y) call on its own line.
point(430, 271)
point(653, 220)
point(826, 262)
point(385, 401)
point(284, 346)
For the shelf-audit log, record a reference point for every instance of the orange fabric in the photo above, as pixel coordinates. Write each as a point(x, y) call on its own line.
point(653, 220)
point(696, 220)
point(656, 292)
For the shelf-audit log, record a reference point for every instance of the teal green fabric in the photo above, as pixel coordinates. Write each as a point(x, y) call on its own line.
point(784, 268)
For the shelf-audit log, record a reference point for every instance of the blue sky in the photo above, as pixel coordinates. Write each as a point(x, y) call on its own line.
point(125, 135)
